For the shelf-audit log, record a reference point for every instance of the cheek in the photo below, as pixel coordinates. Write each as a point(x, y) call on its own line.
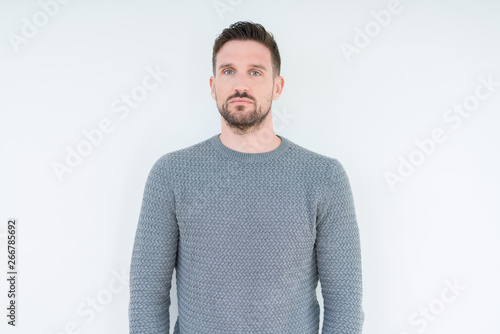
point(220, 88)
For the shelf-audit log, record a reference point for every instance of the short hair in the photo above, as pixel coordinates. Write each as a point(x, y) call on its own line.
point(247, 30)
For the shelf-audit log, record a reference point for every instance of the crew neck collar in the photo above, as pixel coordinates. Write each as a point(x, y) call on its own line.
point(249, 157)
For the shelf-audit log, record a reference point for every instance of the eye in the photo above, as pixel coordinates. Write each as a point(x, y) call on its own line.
point(226, 71)
point(258, 73)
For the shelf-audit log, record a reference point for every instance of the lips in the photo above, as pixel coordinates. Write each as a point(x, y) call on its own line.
point(240, 100)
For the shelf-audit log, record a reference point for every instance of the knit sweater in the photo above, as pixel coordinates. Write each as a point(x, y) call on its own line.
point(249, 236)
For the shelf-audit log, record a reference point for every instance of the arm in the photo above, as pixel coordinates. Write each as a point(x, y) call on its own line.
point(338, 257)
point(154, 255)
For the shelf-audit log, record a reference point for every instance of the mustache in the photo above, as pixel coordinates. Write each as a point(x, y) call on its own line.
point(241, 96)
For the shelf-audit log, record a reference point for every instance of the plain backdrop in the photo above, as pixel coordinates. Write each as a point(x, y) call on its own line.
point(371, 83)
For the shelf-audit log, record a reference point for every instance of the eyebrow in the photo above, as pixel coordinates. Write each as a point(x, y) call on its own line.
point(251, 65)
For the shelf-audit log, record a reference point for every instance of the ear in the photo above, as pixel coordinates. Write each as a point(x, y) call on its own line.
point(212, 87)
point(279, 82)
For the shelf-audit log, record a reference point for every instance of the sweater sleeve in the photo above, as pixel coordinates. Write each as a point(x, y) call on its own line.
point(154, 255)
point(338, 257)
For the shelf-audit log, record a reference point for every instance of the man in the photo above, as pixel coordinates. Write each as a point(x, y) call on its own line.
point(249, 219)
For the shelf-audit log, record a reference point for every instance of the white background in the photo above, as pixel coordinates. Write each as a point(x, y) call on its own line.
point(367, 110)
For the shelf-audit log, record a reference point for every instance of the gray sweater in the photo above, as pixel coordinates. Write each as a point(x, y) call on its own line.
point(249, 235)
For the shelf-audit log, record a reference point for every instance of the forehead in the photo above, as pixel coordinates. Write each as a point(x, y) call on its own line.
point(244, 52)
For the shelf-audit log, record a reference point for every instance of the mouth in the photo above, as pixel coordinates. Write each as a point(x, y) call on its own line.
point(238, 100)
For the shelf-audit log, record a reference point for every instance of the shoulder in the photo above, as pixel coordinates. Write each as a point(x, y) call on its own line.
point(326, 165)
point(184, 155)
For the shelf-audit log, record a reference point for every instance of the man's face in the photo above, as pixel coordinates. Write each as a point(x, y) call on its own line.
point(243, 86)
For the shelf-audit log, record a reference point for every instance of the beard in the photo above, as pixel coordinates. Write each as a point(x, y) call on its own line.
point(244, 118)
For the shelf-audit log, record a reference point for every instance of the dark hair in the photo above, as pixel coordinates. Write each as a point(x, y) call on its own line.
point(247, 30)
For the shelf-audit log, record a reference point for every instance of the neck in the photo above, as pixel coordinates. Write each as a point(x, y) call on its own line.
point(259, 141)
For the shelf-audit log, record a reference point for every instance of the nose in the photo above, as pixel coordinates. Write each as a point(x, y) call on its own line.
point(240, 83)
